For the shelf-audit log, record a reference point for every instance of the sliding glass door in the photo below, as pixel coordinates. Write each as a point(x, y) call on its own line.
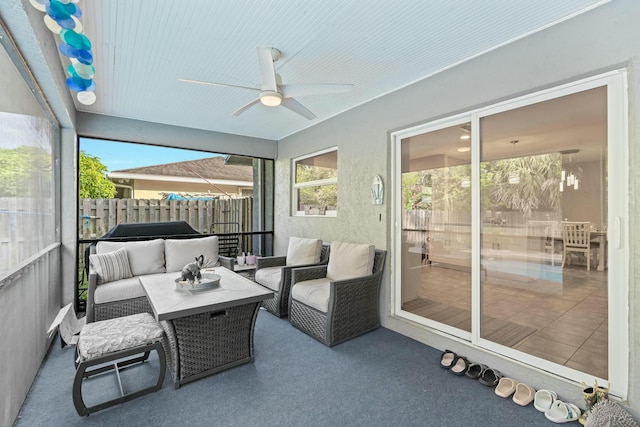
point(436, 225)
point(511, 228)
point(542, 167)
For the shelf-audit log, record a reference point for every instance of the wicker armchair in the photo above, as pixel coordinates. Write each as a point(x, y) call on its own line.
point(353, 307)
point(280, 272)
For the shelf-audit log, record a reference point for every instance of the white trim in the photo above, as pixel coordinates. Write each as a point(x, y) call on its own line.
point(618, 210)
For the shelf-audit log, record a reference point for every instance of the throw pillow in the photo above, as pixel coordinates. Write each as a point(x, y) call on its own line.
point(180, 252)
point(303, 251)
point(111, 266)
point(350, 260)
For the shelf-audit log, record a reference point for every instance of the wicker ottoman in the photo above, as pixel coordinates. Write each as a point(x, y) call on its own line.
point(116, 340)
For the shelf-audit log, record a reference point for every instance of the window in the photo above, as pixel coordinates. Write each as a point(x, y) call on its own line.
point(315, 184)
point(27, 220)
point(483, 199)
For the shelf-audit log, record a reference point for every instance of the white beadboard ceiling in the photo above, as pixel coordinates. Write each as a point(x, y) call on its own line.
point(142, 48)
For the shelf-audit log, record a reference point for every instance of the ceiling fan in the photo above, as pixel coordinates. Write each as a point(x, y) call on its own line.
point(273, 93)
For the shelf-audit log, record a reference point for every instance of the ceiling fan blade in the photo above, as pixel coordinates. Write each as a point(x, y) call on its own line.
point(296, 107)
point(267, 69)
point(294, 90)
point(246, 107)
point(200, 82)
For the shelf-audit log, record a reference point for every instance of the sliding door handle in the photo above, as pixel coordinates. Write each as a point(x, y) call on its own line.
point(617, 232)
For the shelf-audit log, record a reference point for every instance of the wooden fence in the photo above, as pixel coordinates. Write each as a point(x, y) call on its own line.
point(97, 216)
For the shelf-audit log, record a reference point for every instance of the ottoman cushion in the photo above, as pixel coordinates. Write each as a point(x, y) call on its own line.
point(121, 333)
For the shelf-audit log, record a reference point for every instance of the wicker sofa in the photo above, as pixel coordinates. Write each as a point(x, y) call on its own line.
point(114, 288)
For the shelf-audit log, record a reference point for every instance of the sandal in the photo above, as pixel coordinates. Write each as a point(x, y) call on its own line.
point(506, 387)
point(544, 399)
point(476, 370)
point(524, 394)
point(490, 377)
point(448, 359)
point(563, 412)
point(460, 366)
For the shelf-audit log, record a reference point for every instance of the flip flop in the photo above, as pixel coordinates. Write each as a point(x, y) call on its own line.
point(506, 387)
point(460, 366)
point(448, 359)
point(563, 412)
point(490, 377)
point(476, 370)
point(524, 394)
point(543, 399)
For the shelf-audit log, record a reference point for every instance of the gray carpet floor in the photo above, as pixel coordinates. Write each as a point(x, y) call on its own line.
point(379, 379)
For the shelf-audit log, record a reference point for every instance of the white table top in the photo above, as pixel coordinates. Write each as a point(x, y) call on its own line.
point(169, 302)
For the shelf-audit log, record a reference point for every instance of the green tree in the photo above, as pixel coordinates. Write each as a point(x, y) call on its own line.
point(25, 172)
point(321, 195)
point(94, 183)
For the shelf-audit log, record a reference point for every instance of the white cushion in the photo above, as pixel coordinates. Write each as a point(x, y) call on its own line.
point(180, 252)
point(269, 277)
point(111, 266)
point(349, 260)
point(122, 333)
point(145, 257)
point(303, 251)
point(119, 290)
point(314, 293)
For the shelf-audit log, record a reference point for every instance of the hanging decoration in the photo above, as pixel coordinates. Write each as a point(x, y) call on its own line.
point(569, 179)
point(62, 17)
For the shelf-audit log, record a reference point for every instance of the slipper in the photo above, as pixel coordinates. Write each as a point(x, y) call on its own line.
point(543, 400)
point(562, 412)
point(490, 377)
point(506, 387)
point(448, 358)
point(476, 370)
point(460, 366)
point(524, 394)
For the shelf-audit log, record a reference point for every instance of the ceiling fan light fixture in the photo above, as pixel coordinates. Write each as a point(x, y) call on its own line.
point(270, 98)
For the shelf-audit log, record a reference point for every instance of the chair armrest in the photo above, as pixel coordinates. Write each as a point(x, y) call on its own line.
point(91, 289)
point(356, 285)
point(270, 261)
point(227, 262)
point(355, 298)
point(301, 274)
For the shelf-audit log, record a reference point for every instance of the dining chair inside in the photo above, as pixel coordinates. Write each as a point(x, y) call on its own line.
point(576, 238)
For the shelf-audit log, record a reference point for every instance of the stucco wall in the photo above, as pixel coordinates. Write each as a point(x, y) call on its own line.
point(601, 40)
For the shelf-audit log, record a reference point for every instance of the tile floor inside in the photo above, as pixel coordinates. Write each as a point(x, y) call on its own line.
point(564, 322)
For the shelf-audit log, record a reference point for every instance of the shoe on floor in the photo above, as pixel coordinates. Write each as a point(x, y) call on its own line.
point(506, 387)
point(448, 359)
point(524, 394)
point(490, 377)
point(563, 412)
point(460, 366)
point(476, 370)
point(543, 400)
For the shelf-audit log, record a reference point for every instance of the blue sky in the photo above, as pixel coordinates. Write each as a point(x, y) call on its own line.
point(122, 155)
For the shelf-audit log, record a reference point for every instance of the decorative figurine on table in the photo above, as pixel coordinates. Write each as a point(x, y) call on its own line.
point(191, 271)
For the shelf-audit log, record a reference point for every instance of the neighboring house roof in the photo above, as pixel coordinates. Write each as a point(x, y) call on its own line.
point(212, 169)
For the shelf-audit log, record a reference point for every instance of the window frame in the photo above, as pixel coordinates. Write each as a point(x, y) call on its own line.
point(295, 187)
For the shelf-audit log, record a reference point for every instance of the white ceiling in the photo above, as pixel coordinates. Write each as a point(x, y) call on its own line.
point(143, 47)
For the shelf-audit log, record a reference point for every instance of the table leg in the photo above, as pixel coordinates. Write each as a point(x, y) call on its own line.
point(602, 243)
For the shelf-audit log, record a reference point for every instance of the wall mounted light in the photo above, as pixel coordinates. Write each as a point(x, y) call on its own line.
point(377, 191)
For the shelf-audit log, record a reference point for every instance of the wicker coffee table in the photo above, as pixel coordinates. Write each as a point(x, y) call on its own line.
point(207, 330)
